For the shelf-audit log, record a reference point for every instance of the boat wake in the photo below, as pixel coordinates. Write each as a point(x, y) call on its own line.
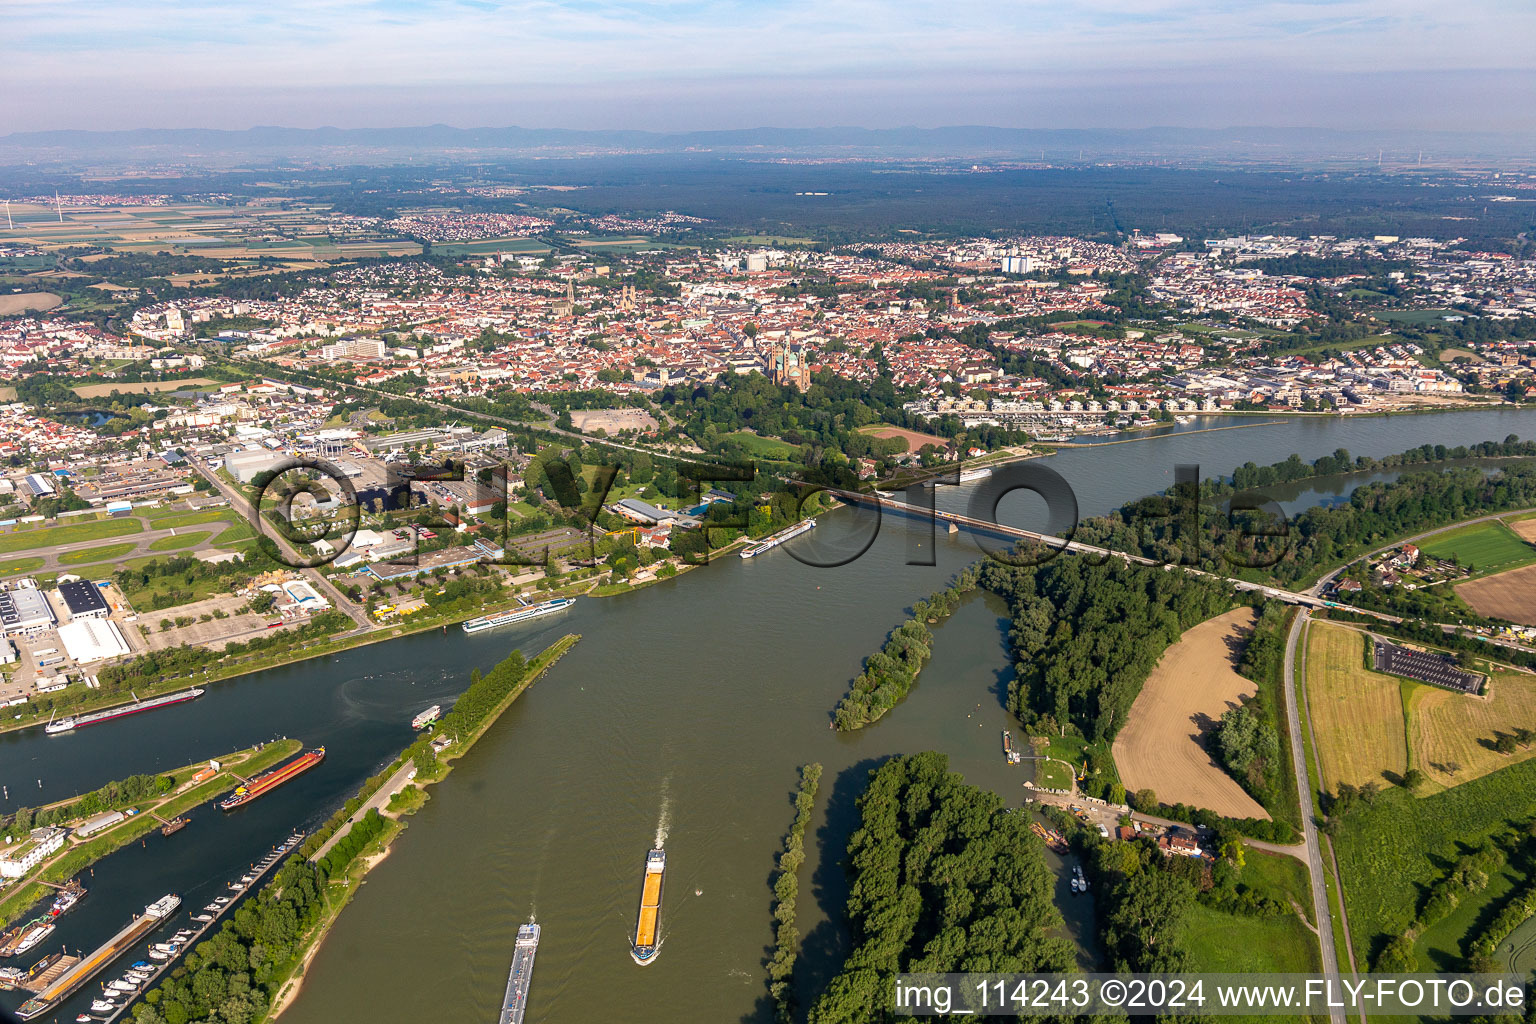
point(664, 820)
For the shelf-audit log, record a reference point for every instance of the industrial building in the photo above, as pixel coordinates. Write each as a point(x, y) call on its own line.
point(88, 640)
point(25, 611)
point(245, 466)
point(84, 600)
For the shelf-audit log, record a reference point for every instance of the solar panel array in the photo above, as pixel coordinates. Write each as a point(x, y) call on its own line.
point(1424, 667)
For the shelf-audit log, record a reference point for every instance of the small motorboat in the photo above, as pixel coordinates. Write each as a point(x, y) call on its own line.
point(221, 900)
point(139, 965)
point(101, 1006)
point(82, 1018)
point(204, 918)
point(247, 879)
point(235, 887)
point(123, 985)
point(157, 954)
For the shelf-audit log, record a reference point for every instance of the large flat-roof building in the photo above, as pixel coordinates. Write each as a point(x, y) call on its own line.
point(88, 640)
point(84, 600)
point(245, 466)
point(25, 611)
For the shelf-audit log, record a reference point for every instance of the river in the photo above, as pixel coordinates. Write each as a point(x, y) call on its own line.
point(685, 710)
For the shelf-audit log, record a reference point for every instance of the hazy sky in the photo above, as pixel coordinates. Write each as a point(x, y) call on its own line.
point(679, 64)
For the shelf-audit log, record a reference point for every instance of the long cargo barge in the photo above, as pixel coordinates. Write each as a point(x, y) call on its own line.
point(523, 614)
point(769, 543)
point(73, 722)
point(515, 1002)
point(648, 924)
point(87, 968)
point(270, 780)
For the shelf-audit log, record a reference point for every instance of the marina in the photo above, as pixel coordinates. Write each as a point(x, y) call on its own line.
point(164, 954)
point(52, 990)
point(515, 1002)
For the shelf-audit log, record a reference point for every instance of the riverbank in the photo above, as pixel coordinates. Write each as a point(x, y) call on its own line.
point(79, 857)
point(402, 803)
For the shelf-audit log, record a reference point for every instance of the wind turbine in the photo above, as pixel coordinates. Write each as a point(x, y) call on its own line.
point(58, 205)
point(8, 222)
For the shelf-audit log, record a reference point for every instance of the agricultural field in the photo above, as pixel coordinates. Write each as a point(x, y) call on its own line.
point(1451, 734)
point(1482, 546)
point(23, 302)
point(148, 387)
point(915, 439)
point(1389, 849)
point(53, 536)
point(295, 230)
point(1357, 715)
point(1162, 747)
point(1507, 595)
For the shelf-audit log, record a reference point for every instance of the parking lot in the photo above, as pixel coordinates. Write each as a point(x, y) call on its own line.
point(1425, 667)
point(213, 634)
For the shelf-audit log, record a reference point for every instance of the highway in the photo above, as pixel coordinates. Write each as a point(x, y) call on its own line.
point(1310, 842)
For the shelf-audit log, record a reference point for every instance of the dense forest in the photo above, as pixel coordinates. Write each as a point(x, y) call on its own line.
point(1178, 529)
point(1085, 636)
point(942, 877)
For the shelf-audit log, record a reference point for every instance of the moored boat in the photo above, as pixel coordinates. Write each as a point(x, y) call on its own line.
point(523, 614)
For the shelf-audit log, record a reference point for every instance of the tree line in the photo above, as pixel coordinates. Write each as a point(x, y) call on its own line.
point(114, 795)
point(786, 891)
point(890, 672)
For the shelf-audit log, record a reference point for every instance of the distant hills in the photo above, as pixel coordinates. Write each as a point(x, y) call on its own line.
point(213, 148)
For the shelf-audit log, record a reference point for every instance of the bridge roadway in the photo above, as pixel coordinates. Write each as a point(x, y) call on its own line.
point(1078, 547)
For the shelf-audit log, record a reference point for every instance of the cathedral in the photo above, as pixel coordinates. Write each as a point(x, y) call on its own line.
point(786, 366)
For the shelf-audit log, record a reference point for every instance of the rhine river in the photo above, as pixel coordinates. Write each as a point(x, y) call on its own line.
point(685, 711)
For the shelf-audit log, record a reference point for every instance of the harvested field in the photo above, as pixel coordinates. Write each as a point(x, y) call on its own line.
point(1453, 734)
point(915, 439)
point(1162, 745)
point(148, 387)
point(1357, 714)
point(1525, 528)
point(37, 302)
point(1508, 595)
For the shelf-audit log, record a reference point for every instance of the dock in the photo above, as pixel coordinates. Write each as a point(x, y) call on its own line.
point(261, 867)
point(515, 1002)
point(66, 982)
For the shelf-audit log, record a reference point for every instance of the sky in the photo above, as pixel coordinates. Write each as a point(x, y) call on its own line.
point(689, 64)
